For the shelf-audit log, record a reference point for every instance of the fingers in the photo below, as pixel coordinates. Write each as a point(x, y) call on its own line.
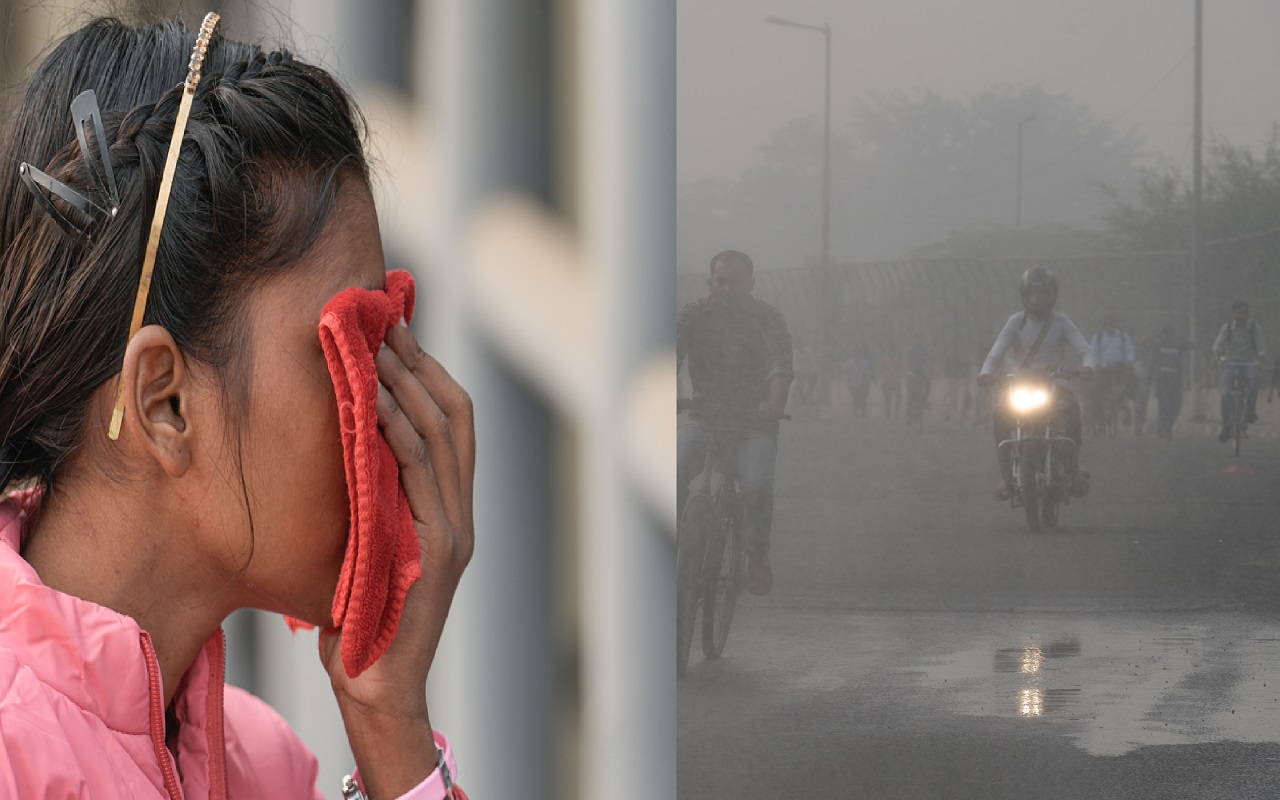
point(416, 472)
point(431, 418)
point(450, 398)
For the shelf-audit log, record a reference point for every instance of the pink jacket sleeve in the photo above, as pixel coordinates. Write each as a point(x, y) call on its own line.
point(265, 758)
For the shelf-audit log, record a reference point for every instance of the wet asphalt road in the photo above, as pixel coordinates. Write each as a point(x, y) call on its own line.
point(920, 643)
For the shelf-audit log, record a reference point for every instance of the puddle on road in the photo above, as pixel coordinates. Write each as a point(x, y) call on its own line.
point(1038, 702)
point(1110, 683)
point(1115, 688)
point(1031, 657)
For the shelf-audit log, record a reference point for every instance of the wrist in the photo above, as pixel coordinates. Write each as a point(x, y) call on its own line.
point(438, 785)
point(394, 751)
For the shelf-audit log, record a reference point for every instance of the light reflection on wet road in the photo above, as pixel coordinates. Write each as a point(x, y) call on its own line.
point(919, 643)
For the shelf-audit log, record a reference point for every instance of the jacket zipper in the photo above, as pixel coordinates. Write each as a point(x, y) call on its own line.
point(217, 747)
point(157, 719)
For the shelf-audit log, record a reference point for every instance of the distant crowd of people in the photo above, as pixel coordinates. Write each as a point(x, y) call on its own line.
point(1131, 373)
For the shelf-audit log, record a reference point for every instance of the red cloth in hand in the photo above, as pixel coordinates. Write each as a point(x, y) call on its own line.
point(382, 559)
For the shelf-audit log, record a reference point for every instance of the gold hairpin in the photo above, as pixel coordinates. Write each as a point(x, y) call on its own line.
point(162, 201)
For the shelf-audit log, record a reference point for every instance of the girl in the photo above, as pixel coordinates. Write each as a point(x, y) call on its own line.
point(121, 552)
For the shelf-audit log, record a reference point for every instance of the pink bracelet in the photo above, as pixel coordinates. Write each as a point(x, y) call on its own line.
point(437, 786)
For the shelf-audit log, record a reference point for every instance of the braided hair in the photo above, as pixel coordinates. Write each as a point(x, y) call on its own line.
point(269, 141)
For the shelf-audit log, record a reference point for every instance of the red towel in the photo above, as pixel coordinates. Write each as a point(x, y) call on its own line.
point(382, 545)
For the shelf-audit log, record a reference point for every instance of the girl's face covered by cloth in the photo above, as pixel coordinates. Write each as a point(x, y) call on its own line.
point(293, 462)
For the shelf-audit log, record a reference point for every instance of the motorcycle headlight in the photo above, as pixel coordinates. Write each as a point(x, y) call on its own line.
point(1023, 399)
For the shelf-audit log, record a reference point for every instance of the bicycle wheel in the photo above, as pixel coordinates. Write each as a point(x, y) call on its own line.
point(1237, 430)
point(726, 558)
point(697, 519)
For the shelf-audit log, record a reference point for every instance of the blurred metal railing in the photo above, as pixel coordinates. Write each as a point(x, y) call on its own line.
point(964, 302)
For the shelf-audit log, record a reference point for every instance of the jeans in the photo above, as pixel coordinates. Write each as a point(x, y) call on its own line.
point(751, 460)
point(1251, 373)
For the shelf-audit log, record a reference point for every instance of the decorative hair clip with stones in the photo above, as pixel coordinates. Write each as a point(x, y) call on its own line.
point(198, 52)
point(83, 213)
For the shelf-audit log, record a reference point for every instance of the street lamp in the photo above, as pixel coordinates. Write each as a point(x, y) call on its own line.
point(825, 30)
point(1017, 203)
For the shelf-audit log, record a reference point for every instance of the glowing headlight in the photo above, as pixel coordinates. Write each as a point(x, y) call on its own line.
point(1025, 400)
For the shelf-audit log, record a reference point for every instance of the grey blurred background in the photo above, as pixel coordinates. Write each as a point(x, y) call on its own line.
point(526, 172)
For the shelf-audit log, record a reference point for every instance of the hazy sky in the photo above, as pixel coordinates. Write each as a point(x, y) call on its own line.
point(739, 79)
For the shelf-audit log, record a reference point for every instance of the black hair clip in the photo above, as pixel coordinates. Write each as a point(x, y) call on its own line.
point(84, 212)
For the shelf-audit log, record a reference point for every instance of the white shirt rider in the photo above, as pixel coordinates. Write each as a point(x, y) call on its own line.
point(1113, 347)
point(1020, 333)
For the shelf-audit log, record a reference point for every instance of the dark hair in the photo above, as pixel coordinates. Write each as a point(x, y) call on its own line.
point(269, 142)
point(733, 256)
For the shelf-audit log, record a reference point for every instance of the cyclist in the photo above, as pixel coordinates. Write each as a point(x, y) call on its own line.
point(1115, 355)
point(1239, 346)
point(739, 353)
point(1054, 331)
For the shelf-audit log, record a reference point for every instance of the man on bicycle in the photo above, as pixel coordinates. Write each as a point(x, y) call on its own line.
point(1239, 347)
point(1037, 324)
point(1116, 356)
point(739, 353)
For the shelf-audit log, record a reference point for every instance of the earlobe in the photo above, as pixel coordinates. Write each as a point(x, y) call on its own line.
point(158, 394)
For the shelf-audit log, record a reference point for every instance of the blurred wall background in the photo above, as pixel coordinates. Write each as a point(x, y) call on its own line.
point(526, 153)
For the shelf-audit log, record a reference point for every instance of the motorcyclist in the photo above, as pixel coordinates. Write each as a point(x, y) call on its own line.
point(1038, 288)
point(1116, 358)
point(1239, 346)
point(739, 352)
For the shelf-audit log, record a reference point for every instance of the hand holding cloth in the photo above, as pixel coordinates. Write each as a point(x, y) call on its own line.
point(382, 559)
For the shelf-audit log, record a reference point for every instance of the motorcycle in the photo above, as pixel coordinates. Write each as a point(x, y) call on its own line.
point(1042, 455)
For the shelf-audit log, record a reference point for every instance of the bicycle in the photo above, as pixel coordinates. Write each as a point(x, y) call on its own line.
point(1114, 395)
point(1238, 402)
point(711, 550)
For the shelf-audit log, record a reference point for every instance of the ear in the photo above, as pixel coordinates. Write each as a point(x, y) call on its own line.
point(158, 394)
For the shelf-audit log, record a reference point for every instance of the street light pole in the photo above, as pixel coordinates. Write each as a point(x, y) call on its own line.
point(1017, 203)
point(826, 153)
point(825, 30)
point(1197, 392)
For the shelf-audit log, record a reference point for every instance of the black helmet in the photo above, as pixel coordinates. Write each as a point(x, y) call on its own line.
point(1039, 290)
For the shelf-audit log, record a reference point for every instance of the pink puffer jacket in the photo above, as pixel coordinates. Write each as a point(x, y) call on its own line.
point(82, 711)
